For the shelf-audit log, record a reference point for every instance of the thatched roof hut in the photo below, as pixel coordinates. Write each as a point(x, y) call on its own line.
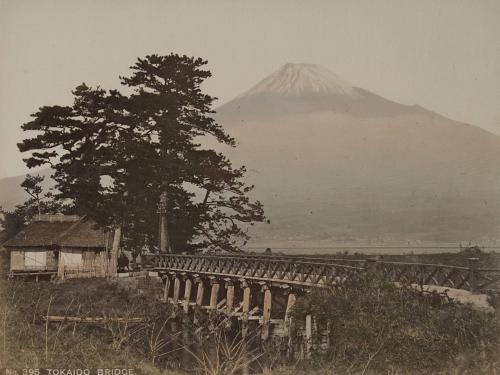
point(58, 243)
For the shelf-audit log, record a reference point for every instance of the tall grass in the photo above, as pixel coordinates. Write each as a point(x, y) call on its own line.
point(379, 327)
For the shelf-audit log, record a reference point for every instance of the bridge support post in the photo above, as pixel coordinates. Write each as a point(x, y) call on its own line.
point(245, 308)
point(229, 296)
point(200, 291)
point(291, 301)
point(166, 290)
point(187, 294)
point(177, 288)
point(308, 335)
point(472, 274)
point(214, 294)
point(266, 312)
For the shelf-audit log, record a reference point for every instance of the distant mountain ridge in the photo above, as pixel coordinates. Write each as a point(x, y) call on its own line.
point(11, 193)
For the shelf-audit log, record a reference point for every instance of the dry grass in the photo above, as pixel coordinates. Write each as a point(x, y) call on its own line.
point(228, 356)
point(27, 340)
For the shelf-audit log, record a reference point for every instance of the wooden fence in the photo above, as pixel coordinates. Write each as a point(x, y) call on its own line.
point(100, 267)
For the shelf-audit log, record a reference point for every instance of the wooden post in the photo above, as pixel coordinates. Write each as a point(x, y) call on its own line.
point(162, 210)
point(266, 312)
point(199, 292)
point(166, 291)
point(473, 274)
point(308, 335)
point(60, 266)
point(214, 294)
point(291, 301)
point(187, 294)
point(115, 249)
point(245, 308)
point(229, 296)
point(177, 288)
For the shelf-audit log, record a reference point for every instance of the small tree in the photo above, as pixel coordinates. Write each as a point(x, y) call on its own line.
point(12, 223)
point(32, 186)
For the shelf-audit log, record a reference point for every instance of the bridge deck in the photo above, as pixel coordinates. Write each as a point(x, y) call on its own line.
point(321, 272)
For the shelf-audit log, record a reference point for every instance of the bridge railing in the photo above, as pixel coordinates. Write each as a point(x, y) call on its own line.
point(469, 278)
point(309, 271)
point(290, 271)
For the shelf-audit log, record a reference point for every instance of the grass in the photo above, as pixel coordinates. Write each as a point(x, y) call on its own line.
point(27, 340)
point(376, 327)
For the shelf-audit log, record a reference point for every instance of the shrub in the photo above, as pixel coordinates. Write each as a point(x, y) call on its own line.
point(382, 326)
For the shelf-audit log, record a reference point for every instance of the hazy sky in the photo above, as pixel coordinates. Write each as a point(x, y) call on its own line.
point(443, 55)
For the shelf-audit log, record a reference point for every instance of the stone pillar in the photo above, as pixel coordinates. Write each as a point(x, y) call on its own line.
point(266, 312)
point(187, 294)
point(229, 296)
point(214, 294)
point(177, 288)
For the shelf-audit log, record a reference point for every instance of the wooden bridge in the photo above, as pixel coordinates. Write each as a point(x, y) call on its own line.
point(263, 288)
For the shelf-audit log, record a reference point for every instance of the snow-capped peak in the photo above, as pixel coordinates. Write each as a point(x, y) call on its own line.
point(301, 79)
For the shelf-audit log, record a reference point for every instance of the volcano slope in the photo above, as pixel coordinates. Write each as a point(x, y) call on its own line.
point(334, 162)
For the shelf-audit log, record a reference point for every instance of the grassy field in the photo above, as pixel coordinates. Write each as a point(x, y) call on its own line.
point(376, 329)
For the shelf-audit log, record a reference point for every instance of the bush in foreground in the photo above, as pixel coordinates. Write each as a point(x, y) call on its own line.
point(378, 326)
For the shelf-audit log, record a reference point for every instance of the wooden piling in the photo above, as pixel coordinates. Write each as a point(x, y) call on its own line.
point(229, 296)
point(266, 312)
point(290, 303)
point(308, 335)
point(200, 292)
point(214, 294)
point(177, 288)
point(187, 294)
point(166, 290)
point(245, 308)
point(472, 274)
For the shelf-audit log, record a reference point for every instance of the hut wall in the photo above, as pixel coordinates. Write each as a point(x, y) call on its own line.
point(32, 259)
point(52, 258)
point(82, 262)
point(17, 260)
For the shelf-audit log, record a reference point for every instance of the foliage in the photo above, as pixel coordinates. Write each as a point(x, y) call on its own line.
point(377, 325)
point(12, 223)
point(114, 155)
point(38, 203)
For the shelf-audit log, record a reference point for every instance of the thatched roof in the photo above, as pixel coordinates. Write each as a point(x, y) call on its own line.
point(59, 231)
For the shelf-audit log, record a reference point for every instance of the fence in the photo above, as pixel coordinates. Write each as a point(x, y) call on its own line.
point(100, 267)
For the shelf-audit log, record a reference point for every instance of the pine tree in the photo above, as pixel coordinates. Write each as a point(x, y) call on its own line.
point(114, 156)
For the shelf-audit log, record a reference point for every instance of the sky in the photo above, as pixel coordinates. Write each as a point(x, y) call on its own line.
point(443, 55)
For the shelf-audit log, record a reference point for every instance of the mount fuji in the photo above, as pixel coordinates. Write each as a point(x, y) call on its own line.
point(333, 161)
